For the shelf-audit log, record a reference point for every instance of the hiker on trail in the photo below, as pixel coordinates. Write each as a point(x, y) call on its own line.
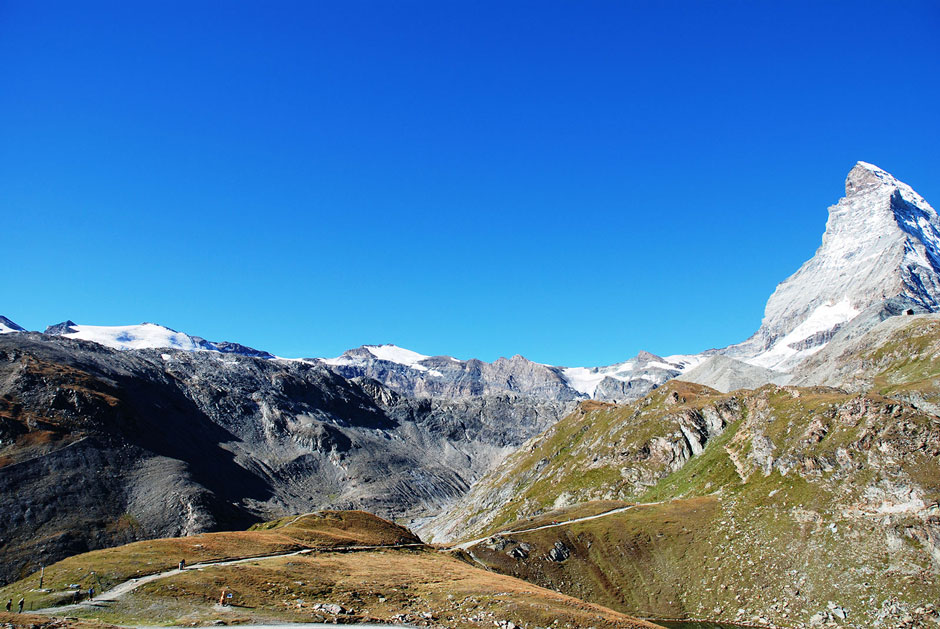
point(10, 604)
point(91, 592)
point(22, 600)
point(182, 563)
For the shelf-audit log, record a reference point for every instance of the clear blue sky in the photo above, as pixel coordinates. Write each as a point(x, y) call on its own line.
point(570, 181)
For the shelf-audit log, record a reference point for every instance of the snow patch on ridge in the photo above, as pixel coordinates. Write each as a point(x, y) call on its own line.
point(126, 337)
point(395, 354)
point(388, 352)
point(585, 379)
point(7, 326)
point(823, 319)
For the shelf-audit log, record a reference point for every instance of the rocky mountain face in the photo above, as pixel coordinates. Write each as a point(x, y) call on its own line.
point(882, 241)
point(727, 374)
point(100, 446)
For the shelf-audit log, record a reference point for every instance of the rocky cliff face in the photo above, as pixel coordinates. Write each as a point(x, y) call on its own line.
point(99, 446)
point(882, 241)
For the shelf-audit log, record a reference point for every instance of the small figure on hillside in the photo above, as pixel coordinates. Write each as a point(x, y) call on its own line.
point(22, 600)
point(10, 604)
point(91, 592)
point(182, 563)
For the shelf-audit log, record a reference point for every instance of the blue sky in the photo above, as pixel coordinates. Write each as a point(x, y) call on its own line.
point(570, 181)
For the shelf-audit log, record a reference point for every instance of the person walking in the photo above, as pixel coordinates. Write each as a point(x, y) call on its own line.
point(22, 600)
point(10, 605)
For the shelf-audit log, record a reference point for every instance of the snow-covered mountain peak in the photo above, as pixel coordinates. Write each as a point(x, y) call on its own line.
point(864, 175)
point(146, 336)
point(867, 179)
point(7, 326)
point(125, 337)
point(882, 240)
point(395, 354)
point(386, 352)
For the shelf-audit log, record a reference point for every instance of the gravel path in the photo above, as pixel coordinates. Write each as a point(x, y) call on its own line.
point(121, 589)
point(303, 625)
point(474, 542)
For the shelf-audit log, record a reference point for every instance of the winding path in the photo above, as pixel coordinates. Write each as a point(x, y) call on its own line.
point(474, 542)
point(130, 585)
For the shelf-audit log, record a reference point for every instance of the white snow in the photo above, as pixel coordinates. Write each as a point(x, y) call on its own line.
point(339, 360)
point(395, 354)
point(143, 336)
point(823, 318)
point(391, 353)
point(4, 329)
point(907, 193)
point(583, 379)
point(685, 362)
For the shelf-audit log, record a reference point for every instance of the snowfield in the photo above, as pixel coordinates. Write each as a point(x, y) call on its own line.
point(143, 336)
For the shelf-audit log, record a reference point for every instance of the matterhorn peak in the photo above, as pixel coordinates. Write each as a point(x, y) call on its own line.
point(882, 241)
point(864, 177)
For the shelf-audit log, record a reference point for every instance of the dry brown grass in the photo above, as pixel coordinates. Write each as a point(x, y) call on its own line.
point(35, 621)
point(378, 586)
point(401, 584)
point(329, 529)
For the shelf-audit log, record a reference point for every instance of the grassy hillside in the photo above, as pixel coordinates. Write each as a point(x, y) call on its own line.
point(599, 452)
point(341, 578)
point(801, 497)
point(899, 358)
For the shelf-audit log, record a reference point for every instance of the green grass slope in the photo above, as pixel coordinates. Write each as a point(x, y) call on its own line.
point(800, 497)
point(899, 358)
